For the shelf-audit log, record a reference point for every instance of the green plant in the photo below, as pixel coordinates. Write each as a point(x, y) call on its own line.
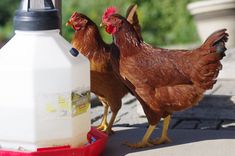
point(167, 22)
point(93, 9)
point(6, 17)
point(163, 22)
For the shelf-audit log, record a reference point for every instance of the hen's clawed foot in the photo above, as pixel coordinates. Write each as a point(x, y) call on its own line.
point(109, 131)
point(145, 141)
point(102, 127)
point(163, 140)
point(140, 144)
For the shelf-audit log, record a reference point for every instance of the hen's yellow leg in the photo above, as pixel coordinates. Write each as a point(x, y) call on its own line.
point(104, 124)
point(109, 129)
point(164, 137)
point(145, 141)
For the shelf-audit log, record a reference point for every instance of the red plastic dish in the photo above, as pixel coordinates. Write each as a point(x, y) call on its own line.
point(94, 148)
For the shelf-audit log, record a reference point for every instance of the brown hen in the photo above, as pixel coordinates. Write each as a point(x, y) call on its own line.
point(108, 88)
point(164, 81)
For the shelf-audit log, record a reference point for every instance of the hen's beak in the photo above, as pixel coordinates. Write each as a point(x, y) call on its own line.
point(102, 24)
point(69, 23)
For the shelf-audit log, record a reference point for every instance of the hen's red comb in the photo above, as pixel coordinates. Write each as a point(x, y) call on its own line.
point(109, 11)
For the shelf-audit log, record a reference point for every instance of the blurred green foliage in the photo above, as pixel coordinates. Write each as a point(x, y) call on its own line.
point(7, 10)
point(164, 22)
point(167, 22)
point(93, 9)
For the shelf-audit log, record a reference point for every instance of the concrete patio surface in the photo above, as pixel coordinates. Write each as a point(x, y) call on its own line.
point(207, 129)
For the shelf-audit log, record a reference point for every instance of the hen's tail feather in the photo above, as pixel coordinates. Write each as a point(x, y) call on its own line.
point(208, 66)
point(132, 17)
point(216, 41)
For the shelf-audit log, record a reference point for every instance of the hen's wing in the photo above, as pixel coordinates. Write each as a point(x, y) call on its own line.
point(153, 68)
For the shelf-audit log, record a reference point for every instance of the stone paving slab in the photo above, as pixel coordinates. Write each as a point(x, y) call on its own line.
point(214, 108)
point(187, 124)
point(211, 107)
point(229, 125)
point(209, 124)
point(184, 142)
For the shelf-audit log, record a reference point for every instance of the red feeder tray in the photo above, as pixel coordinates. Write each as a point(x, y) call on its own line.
point(97, 141)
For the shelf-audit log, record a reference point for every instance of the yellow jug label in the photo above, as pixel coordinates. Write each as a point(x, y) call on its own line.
point(80, 103)
point(65, 105)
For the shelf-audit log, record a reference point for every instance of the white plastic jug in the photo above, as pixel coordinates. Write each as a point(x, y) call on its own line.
point(44, 88)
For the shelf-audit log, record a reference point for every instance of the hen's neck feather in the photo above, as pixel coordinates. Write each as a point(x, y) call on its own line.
point(127, 40)
point(88, 41)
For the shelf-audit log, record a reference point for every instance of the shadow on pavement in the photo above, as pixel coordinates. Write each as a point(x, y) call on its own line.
point(115, 145)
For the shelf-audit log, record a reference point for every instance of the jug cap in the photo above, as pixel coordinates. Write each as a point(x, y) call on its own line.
point(36, 15)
